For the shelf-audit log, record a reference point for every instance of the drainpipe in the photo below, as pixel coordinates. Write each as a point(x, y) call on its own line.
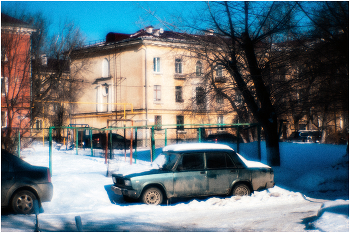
point(146, 106)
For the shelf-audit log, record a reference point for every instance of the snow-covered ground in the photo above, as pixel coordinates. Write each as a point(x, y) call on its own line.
point(311, 194)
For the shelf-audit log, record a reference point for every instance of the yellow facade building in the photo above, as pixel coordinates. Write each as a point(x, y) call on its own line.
point(149, 77)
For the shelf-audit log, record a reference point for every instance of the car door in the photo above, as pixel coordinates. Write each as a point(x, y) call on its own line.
point(221, 172)
point(190, 176)
point(7, 178)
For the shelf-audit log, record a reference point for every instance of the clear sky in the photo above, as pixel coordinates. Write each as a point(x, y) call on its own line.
point(97, 18)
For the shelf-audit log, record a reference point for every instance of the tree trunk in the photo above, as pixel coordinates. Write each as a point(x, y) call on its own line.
point(272, 143)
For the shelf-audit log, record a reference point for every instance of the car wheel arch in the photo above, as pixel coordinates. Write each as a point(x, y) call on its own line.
point(25, 188)
point(155, 185)
point(235, 184)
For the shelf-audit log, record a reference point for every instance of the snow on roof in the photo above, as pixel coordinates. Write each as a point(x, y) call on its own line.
point(196, 146)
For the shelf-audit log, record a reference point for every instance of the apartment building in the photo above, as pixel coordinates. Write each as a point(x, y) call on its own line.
point(149, 77)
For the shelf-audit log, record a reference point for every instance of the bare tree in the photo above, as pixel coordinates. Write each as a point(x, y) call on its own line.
point(240, 37)
point(56, 88)
point(15, 73)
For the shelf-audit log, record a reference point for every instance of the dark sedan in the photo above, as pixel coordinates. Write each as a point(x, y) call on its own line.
point(222, 138)
point(118, 141)
point(23, 183)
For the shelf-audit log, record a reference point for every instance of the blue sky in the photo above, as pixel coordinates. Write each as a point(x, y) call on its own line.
point(97, 18)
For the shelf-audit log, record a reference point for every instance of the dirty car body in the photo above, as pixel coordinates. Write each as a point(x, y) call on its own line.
point(195, 169)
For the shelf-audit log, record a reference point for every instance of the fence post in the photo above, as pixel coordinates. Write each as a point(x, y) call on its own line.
point(76, 141)
point(259, 142)
point(50, 150)
point(135, 154)
point(43, 137)
point(19, 142)
point(238, 139)
point(92, 151)
point(111, 144)
point(166, 137)
point(199, 134)
point(152, 144)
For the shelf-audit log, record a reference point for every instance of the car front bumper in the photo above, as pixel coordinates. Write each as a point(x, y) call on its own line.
point(125, 192)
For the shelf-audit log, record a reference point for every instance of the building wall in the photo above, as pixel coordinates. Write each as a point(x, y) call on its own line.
point(15, 77)
point(127, 80)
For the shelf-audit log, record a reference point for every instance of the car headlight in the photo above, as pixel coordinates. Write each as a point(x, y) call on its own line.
point(127, 182)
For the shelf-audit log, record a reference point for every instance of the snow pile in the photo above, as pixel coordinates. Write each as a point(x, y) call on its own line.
point(311, 193)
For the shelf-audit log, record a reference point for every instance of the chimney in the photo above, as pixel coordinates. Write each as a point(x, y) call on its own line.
point(156, 32)
point(43, 59)
point(209, 32)
point(149, 29)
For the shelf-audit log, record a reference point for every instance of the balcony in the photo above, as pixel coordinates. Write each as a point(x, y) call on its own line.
point(179, 76)
point(220, 79)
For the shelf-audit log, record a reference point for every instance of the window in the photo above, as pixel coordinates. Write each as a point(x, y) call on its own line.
point(178, 66)
point(157, 93)
point(158, 122)
point(193, 161)
point(3, 119)
point(105, 68)
point(217, 160)
point(180, 121)
point(178, 94)
point(4, 54)
point(156, 64)
point(4, 86)
point(219, 99)
point(219, 71)
point(239, 98)
point(39, 124)
point(199, 67)
point(200, 95)
point(221, 121)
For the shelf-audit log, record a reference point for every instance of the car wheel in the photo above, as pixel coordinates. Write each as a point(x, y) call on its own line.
point(241, 190)
point(23, 202)
point(152, 196)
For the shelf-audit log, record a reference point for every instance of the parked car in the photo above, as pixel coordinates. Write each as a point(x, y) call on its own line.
point(222, 138)
point(99, 141)
point(305, 136)
point(195, 169)
point(22, 184)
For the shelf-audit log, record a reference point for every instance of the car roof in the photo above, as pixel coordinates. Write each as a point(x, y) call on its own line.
point(196, 147)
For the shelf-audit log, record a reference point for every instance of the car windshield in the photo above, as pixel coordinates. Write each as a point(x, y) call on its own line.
point(166, 161)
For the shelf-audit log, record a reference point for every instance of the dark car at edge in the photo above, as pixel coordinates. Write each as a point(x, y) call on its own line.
point(23, 183)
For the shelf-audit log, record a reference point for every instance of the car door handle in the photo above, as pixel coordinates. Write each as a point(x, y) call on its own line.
point(202, 172)
point(233, 171)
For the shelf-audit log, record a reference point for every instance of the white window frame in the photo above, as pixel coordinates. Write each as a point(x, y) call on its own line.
point(199, 68)
point(156, 64)
point(178, 66)
point(157, 93)
point(105, 68)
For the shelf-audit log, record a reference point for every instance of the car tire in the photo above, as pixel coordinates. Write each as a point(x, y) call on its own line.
point(152, 196)
point(241, 190)
point(23, 202)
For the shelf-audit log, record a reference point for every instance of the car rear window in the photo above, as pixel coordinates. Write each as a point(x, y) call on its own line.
point(218, 160)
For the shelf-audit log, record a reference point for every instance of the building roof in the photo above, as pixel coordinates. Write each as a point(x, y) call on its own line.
point(148, 32)
point(7, 20)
